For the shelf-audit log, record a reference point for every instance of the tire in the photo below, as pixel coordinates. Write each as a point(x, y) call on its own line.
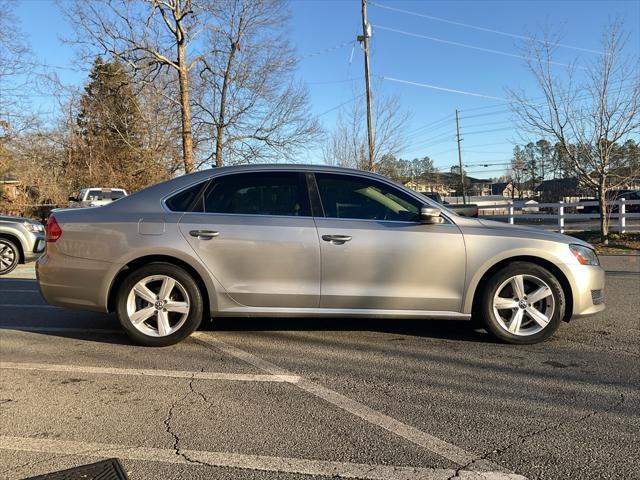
point(9, 256)
point(517, 318)
point(156, 318)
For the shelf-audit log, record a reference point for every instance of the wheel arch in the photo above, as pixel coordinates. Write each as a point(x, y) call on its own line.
point(547, 264)
point(16, 241)
point(152, 258)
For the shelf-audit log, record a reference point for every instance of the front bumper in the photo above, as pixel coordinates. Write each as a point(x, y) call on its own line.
point(588, 290)
point(35, 246)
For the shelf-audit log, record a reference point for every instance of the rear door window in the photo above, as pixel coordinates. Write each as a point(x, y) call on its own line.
point(259, 193)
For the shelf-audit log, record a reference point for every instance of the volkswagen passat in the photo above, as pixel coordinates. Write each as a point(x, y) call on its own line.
point(309, 241)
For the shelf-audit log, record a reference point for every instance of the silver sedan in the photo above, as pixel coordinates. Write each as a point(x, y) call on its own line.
point(302, 241)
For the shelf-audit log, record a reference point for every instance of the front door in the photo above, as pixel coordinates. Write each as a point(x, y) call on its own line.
point(255, 233)
point(377, 255)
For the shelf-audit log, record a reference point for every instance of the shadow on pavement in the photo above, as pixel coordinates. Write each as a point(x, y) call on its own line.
point(49, 320)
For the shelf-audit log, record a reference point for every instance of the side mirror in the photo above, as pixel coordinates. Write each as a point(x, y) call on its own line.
point(73, 199)
point(430, 215)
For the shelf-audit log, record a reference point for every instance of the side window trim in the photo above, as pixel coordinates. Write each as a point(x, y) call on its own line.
point(317, 209)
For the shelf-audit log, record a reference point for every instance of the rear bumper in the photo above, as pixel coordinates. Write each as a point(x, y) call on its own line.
point(74, 282)
point(588, 290)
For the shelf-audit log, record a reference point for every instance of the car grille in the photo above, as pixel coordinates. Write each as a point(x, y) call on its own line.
point(597, 297)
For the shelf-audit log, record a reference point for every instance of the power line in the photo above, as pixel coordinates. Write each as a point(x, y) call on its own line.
point(466, 45)
point(326, 50)
point(433, 124)
point(501, 108)
point(340, 105)
point(444, 89)
point(484, 29)
point(328, 82)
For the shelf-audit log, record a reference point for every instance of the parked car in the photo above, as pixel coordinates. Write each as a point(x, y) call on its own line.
point(21, 241)
point(267, 240)
point(96, 197)
point(612, 195)
point(465, 209)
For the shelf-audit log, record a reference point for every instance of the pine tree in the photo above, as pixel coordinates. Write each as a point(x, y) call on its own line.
point(110, 152)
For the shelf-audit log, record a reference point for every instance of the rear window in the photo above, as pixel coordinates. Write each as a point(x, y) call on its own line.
point(183, 201)
point(96, 195)
point(117, 194)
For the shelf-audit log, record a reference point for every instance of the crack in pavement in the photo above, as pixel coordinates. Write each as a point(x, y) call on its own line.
point(521, 439)
point(167, 425)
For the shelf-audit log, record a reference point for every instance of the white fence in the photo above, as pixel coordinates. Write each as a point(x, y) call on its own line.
point(564, 217)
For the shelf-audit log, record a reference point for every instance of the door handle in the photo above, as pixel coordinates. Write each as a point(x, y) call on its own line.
point(204, 234)
point(337, 239)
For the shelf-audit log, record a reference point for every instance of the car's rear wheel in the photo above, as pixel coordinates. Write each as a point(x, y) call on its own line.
point(522, 303)
point(159, 305)
point(9, 256)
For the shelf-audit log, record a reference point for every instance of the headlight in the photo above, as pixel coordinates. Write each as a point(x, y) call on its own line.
point(33, 227)
point(585, 255)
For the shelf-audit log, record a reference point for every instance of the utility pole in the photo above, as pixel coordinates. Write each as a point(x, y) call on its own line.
point(464, 193)
point(364, 38)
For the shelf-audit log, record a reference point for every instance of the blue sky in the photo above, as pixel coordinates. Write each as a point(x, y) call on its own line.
point(336, 75)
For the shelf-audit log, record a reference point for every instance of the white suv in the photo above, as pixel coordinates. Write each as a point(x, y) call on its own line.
point(96, 197)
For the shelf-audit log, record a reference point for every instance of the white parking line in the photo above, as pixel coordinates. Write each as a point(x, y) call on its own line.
point(412, 434)
point(15, 290)
point(43, 329)
point(236, 460)
point(238, 377)
point(22, 305)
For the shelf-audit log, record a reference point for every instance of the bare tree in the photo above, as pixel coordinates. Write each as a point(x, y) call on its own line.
point(348, 145)
point(587, 121)
point(250, 107)
point(16, 72)
point(151, 36)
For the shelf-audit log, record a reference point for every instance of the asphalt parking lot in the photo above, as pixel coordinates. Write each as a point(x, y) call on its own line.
point(286, 399)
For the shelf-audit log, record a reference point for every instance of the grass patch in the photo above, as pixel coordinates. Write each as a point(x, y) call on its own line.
point(627, 243)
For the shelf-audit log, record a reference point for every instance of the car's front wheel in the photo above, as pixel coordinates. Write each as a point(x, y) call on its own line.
point(9, 256)
point(159, 305)
point(522, 303)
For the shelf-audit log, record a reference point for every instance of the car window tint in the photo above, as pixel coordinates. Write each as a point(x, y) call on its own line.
point(258, 194)
point(116, 194)
point(347, 196)
point(181, 202)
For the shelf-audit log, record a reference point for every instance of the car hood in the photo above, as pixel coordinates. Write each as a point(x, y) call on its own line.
point(9, 218)
point(520, 231)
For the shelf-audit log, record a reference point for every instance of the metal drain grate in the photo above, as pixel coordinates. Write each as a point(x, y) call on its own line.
point(104, 470)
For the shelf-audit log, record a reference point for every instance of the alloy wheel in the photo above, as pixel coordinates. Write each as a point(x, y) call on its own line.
point(7, 257)
point(523, 305)
point(158, 305)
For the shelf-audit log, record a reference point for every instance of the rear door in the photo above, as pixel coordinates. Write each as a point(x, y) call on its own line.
point(255, 233)
point(376, 255)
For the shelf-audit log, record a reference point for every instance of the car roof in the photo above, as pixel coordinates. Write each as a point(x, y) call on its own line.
point(283, 166)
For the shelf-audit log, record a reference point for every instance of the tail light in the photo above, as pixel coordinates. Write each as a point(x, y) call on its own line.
point(54, 231)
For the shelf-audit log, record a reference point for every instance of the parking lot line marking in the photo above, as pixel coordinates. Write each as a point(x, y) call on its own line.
point(242, 461)
point(15, 290)
point(30, 328)
point(412, 434)
point(18, 305)
point(237, 377)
